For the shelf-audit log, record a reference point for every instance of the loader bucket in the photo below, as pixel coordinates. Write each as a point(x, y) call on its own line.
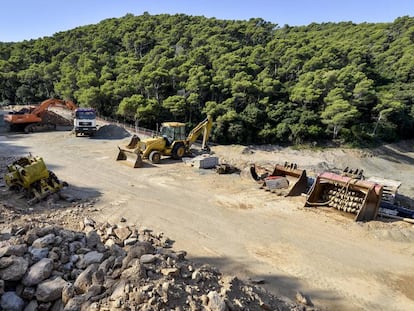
point(131, 157)
point(133, 142)
point(285, 179)
point(297, 179)
point(359, 197)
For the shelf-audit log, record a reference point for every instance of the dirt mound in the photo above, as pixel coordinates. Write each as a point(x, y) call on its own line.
point(54, 118)
point(111, 131)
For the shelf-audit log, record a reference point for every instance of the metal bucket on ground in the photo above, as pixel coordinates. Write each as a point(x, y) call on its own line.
point(131, 154)
point(285, 179)
point(131, 157)
point(359, 197)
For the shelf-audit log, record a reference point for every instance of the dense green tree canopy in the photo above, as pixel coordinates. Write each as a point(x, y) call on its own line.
point(260, 82)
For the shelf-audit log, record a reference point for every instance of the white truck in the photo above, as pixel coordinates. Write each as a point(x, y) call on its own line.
point(84, 122)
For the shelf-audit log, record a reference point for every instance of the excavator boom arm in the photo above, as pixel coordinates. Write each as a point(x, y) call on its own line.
point(204, 127)
point(53, 102)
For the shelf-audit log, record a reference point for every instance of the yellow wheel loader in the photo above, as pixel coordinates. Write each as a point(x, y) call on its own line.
point(171, 142)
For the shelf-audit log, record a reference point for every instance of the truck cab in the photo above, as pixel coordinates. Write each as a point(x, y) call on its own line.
point(85, 121)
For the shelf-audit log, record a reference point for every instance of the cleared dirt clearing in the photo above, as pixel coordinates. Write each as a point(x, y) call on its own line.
point(226, 221)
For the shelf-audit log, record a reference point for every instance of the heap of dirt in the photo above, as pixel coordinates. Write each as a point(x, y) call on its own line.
point(111, 131)
point(51, 117)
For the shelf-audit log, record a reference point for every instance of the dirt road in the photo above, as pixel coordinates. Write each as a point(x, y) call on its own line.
point(226, 221)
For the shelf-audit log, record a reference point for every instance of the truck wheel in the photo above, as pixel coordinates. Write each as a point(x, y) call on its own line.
point(155, 157)
point(178, 151)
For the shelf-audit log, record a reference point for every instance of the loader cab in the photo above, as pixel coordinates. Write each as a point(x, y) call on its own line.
point(173, 131)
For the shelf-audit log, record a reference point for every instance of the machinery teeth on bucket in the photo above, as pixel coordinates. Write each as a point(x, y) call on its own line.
point(285, 179)
point(346, 194)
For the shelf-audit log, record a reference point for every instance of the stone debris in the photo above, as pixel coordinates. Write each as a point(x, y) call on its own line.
point(303, 299)
point(114, 267)
point(55, 256)
point(111, 131)
point(52, 117)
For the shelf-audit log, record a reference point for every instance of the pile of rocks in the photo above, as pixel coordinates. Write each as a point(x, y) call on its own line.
point(114, 267)
point(111, 131)
point(51, 117)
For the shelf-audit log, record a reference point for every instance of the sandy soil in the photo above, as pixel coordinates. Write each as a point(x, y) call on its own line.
point(227, 221)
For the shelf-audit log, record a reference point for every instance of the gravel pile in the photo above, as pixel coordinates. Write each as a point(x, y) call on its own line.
point(114, 267)
point(54, 118)
point(111, 131)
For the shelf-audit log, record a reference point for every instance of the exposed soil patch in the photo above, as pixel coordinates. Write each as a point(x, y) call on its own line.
point(276, 240)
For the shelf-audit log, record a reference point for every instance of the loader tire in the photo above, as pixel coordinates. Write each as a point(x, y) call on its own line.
point(155, 157)
point(178, 151)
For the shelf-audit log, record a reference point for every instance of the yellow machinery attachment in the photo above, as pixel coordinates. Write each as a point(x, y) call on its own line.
point(285, 179)
point(29, 174)
point(171, 142)
point(359, 197)
point(131, 153)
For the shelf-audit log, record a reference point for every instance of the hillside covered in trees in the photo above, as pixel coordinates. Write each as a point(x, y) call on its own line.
point(261, 83)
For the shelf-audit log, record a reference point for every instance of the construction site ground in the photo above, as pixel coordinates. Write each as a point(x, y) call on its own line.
point(227, 221)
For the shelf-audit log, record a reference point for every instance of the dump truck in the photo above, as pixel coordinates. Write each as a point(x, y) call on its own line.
point(38, 118)
point(31, 176)
point(285, 179)
point(350, 195)
point(84, 122)
point(171, 142)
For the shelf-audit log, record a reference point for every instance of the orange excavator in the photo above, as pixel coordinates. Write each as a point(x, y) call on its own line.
point(39, 118)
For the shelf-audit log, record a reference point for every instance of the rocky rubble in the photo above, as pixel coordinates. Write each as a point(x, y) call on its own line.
point(52, 117)
point(114, 267)
point(111, 131)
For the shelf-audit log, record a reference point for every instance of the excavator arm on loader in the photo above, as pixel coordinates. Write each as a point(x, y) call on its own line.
point(204, 127)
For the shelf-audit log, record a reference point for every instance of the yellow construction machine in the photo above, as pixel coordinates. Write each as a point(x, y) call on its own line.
point(172, 142)
point(30, 175)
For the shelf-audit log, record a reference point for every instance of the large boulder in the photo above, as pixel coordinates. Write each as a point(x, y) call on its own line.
point(50, 290)
point(10, 301)
point(15, 268)
point(38, 272)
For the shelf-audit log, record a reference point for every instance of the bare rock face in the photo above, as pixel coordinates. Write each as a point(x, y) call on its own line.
point(110, 267)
